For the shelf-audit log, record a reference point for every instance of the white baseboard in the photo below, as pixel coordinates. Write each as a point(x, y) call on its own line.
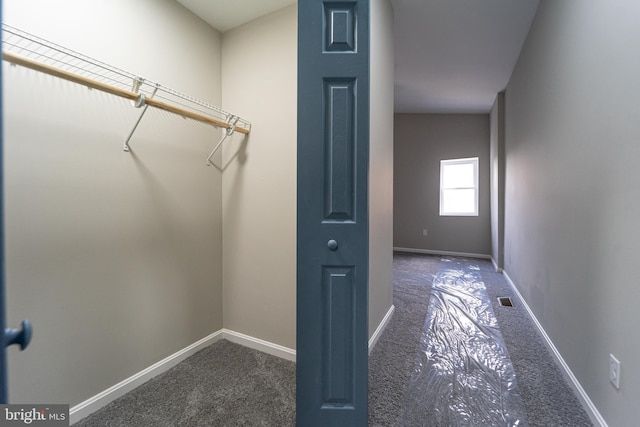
point(381, 327)
point(260, 345)
point(443, 253)
point(591, 409)
point(96, 402)
point(495, 265)
point(288, 353)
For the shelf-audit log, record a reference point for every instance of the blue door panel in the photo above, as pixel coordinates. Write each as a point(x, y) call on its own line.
point(3, 353)
point(332, 239)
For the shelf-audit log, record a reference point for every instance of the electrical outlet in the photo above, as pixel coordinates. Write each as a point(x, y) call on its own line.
point(424, 232)
point(614, 371)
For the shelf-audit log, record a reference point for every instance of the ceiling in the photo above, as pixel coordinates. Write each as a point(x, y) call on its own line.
point(224, 15)
point(452, 56)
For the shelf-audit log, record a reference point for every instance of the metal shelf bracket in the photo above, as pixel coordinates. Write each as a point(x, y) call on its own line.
point(231, 120)
point(138, 104)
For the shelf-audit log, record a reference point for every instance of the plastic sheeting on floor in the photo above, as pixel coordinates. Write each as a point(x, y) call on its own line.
point(463, 375)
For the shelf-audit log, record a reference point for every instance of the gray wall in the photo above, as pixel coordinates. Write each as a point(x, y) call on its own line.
point(381, 164)
point(420, 142)
point(573, 193)
point(497, 159)
point(116, 258)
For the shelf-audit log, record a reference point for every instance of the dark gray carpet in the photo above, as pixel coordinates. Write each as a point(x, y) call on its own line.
point(392, 360)
point(230, 385)
point(463, 374)
point(547, 398)
point(222, 385)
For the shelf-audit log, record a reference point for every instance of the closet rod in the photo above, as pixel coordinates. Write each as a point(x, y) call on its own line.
point(94, 84)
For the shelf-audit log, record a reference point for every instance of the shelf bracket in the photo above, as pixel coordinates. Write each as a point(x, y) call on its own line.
point(231, 121)
point(138, 104)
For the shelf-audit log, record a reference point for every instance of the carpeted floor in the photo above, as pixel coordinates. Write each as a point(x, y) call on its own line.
point(230, 385)
point(392, 360)
point(463, 374)
point(223, 385)
point(547, 398)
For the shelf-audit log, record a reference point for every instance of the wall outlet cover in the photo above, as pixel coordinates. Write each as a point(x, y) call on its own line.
point(614, 371)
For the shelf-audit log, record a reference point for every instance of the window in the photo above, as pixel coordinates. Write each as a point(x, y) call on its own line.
point(459, 187)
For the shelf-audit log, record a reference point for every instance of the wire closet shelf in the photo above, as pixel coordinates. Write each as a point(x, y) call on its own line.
point(28, 50)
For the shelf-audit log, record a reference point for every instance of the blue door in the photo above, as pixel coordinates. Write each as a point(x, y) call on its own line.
point(332, 228)
point(9, 336)
point(3, 354)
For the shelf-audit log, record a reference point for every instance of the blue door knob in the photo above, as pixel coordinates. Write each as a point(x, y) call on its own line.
point(332, 244)
point(21, 337)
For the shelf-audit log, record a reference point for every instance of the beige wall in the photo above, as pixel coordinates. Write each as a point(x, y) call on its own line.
point(114, 257)
point(421, 141)
point(381, 164)
point(259, 77)
point(572, 193)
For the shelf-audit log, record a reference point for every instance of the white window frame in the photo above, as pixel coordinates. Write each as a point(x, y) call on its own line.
point(472, 161)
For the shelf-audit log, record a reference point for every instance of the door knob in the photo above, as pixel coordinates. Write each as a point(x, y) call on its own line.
point(21, 337)
point(332, 244)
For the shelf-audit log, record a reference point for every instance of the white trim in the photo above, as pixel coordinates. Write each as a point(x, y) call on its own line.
point(260, 345)
point(495, 265)
point(591, 409)
point(444, 253)
point(381, 327)
point(96, 402)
